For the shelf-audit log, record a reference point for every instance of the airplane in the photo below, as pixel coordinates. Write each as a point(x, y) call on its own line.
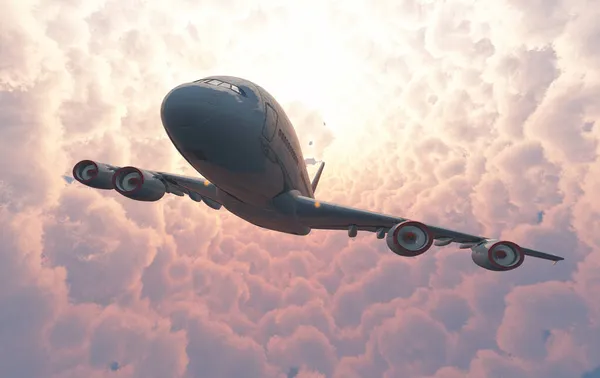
point(242, 143)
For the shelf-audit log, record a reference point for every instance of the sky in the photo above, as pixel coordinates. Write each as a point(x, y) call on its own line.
point(476, 116)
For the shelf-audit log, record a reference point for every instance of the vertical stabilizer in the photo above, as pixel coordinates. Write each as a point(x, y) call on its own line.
point(317, 177)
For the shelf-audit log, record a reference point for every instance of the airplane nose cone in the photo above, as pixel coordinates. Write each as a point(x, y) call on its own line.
point(210, 125)
point(186, 104)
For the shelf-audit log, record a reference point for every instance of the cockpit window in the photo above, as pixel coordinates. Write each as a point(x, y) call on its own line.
point(220, 83)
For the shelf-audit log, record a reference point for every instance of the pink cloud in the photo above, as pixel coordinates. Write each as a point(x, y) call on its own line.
point(306, 346)
point(437, 111)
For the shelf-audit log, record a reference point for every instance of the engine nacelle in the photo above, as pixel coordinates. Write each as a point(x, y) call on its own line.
point(498, 256)
point(138, 185)
point(94, 175)
point(409, 238)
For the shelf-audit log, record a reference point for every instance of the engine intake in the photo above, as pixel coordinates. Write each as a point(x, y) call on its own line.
point(94, 175)
point(498, 256)
point(409, 238)
point(138, 185)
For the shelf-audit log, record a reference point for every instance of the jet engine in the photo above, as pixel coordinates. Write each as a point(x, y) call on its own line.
point(94, 175)
point(409, 239)
point(498, 256)
point(138, 185)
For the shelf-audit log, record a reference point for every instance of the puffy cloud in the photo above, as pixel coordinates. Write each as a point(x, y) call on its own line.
point(306, 346)
point(215, 350)
point(438, 111)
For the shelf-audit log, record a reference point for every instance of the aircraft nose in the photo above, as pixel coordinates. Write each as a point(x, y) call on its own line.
point(186, 105)
point(212, 125)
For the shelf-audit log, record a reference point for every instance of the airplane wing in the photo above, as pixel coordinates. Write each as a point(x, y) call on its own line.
point(127, 181)
point(198, 189)
point(329, 216)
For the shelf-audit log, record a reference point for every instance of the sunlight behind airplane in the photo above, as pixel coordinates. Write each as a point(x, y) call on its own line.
point(238, 137)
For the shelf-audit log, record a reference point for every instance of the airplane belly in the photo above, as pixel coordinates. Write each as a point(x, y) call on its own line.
point(254, 188)
point(267, 217)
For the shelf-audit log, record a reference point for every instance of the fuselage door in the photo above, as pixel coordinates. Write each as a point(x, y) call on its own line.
point(271, 120)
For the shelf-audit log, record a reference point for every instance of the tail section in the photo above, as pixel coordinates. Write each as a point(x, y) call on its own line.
point(317, 177)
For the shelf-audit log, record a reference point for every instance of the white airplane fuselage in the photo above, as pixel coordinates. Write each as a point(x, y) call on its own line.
point(241, 140)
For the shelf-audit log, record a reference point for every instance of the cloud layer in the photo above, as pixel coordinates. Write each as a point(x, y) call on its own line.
point(476, 116)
